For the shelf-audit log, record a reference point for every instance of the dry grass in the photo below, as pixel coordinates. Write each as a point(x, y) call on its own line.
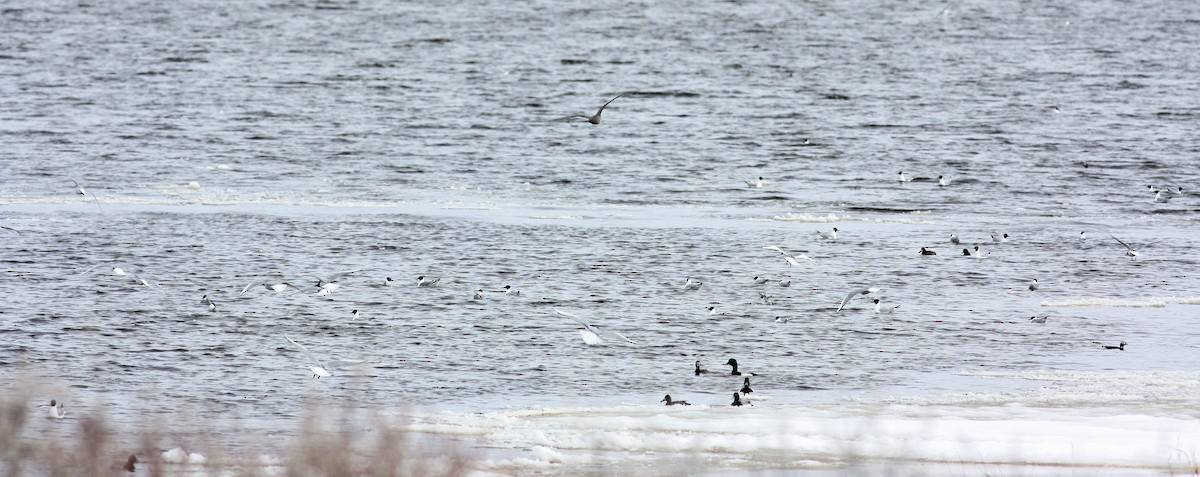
point(341, 446)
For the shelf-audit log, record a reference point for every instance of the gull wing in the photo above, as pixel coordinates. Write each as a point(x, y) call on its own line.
point(312, 359)
point(338, 276)
point(1120, 242)
point(601, 110)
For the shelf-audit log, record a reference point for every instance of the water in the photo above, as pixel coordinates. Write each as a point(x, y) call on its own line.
point(408, 140)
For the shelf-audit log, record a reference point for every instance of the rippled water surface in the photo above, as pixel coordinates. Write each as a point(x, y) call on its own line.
point(225, 144)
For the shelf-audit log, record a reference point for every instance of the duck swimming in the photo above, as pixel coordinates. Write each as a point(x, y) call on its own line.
point(669, 402)
point(737, 400)
point(700, 370)
point(925, 251)
point(746, 386)
point(733, 362)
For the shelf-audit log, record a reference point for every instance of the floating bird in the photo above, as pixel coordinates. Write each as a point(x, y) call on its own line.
point(1033, 286)
point(56, 410)
point(746, 386)
point(1120, 346)
point(690, 284)
point(766, 299)
point(212, 306)
point(318, 368)
point(422, 281)
point(1129, 250)
point(878, 307)
point(478, 294)
point(925, 251)
point(591, 333)
point(509, 290)
point(1038, 319)
point(759, 184)
point(785, 283)
point(700, 370)
point(943, 181)
point(780, 319)
point(672, 403)
point(387, 281)
point(903, 178)
point(979, 254)
point(1165, 193)
point(954, 239)
point(734, 363)
point(712, 310)
point(864, 292)
point(595, 118)
point(1001, 239)
point(966, 252)
point(828, 235)
point(355, 315)
point(760, 280)
point(737, 399)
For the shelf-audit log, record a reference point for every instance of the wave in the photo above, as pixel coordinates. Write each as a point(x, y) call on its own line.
point(1147, 302)
point(809, 218)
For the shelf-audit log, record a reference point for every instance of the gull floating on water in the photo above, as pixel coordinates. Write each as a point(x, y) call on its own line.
point(864, 292)
point(595, 118)
point(878, 307)
point(943, 181)
point(205, 300)
point(56, 410)
point(318, 368)
point(785, 282)
point(1000, 239)
point(591, 333)
point(1033, 286)
point(979, 254)
point(903, 178)
point(1038, 319)
point(478, 294)
point(828, 235)
point(423, 281)
point(954, 239)
point(692, 284)
point(759, 184)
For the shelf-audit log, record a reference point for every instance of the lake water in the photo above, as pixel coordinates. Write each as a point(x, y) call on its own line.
point(241, 142)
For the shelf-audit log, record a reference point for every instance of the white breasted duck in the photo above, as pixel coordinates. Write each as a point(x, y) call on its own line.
point(737, 399)
point(671, 402)
point(1119, 347)
point(735, 372)
point(925, 251)
point(746, 386)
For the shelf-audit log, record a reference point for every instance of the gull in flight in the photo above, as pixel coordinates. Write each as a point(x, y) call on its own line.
point(278, 287)
point(864, 292)
point(791, 259)
point(591, 333)
point(330, 282)
point(595, 118)
point(1130, 251)
point(81, 191)
point(205, 300)
point(318, 368)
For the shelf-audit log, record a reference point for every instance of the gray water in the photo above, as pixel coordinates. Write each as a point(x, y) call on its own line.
point(410, 139)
